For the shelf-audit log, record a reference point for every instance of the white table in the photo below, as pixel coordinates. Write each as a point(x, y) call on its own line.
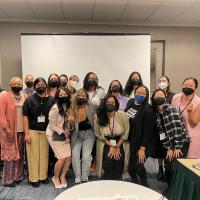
point(112, 190)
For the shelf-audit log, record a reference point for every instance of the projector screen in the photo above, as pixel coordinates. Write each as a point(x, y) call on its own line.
point(109, 56)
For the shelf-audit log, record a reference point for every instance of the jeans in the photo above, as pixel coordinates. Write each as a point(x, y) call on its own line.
point(84, 142)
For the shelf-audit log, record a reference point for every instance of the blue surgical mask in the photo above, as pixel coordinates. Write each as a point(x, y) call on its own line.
point(139, 99)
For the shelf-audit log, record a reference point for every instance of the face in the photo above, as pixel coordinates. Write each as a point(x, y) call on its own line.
point(40, 84)
point(135, 76)
point(141, 91)
point(159, 94)
point(189, 84)
point(29, 78)
point(54, 77)
point(62, 93)
point(114, 83)
point(16, 83)
point(163, 79)
point(93, 77)
point(81, 95)
point(111, 100)
point(63, 79)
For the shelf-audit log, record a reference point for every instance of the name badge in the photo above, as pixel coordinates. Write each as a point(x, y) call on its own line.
point(41, 119)
point(162, 136)
point(113, 143)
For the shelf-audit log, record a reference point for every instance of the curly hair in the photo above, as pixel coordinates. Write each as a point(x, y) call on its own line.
point(101, 111)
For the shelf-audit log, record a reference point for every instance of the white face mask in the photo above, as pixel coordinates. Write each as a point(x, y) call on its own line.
point(73, 84)
point(163, 85)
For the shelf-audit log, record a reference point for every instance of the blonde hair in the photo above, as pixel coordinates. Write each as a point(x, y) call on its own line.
point(16, 78)
point(74, 104)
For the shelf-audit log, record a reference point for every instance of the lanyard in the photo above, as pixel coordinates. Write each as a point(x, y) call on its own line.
point(185, 106)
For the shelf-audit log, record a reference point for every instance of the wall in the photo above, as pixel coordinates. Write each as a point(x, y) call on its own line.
point(182, 46)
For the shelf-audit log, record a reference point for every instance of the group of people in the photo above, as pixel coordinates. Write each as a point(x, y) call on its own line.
point(117, 130)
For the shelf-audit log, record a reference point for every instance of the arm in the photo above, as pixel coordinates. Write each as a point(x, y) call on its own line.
point(53, 116)
point(3, 107)
point(174, 127)
point(193, 115)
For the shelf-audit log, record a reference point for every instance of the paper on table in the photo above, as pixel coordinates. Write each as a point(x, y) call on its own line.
point(115, 197)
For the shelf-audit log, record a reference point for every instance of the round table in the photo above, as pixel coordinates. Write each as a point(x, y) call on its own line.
point(109, 190)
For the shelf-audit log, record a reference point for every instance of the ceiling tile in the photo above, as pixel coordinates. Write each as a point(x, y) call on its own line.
point(48, 9)
point(169, 10)
point(16, 9)
point(109, 9)
point(140, 10)
point(77, 9)
point(190, 15)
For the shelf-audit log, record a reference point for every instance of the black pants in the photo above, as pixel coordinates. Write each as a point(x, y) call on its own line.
point(136, 170)
point(170, 167)
point(113, 169)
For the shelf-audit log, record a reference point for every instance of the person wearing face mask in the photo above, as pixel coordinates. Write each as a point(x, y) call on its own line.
point(63, 80)
point(95, 92)
point(82, 137)
point(171, 132)
point(133, 82)
point(35, 111)
point(188, 105)
point(12, 136)
point(60, 123)
point(53, 84)
point(73, 84)
point(115, 88)
point(142, 126)
point(29, 81)
point(164, 84)
point(111, 128)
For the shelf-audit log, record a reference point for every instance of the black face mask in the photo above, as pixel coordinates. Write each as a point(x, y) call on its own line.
point(29, 84)
point(40, 90)
point(63, 83)
point(16, 89)
point(53, 83)
point(110, 107)
point(187, 91)
point(159, 101)
point(115, 88)
point(81, 101)
point(65, 99)
point(92, 83)
point(135, 82)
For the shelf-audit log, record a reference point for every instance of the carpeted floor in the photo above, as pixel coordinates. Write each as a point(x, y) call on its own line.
point(24, 191)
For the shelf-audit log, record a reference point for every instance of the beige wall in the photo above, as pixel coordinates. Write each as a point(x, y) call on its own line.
point(182, 46)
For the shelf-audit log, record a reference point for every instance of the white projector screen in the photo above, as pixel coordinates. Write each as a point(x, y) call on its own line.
point(109, 56)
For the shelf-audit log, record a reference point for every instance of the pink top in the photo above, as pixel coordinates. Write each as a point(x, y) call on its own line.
point(8, 119)
point(193, 132)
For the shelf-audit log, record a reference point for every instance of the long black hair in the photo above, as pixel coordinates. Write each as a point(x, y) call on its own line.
point(154, 106)
point(120, 85)
point(60, 106)
point(101, 111)
point(129, 87)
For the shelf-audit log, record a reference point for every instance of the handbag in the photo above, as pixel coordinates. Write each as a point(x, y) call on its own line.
point(58, 137)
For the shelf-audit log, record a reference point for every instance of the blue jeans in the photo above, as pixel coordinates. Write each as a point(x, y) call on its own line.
point(85, 142)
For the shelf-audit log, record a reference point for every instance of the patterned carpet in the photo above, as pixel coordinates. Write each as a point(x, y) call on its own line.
point(24, 191)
